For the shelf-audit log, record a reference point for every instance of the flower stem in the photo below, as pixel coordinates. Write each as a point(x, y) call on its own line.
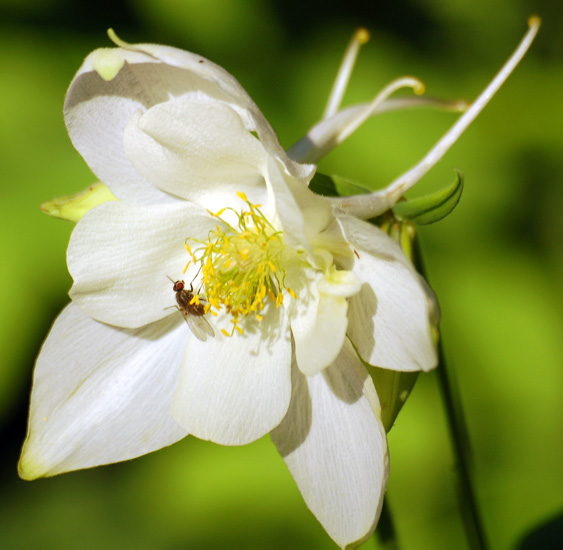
point(459, 434)
point(460, 441)
point(386, 529)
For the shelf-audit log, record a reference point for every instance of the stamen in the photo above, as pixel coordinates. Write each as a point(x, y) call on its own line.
point(242, 267)
point(361, 36)
point(368, 206)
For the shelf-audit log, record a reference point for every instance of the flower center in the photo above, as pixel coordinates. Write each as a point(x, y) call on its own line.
point(242, 266)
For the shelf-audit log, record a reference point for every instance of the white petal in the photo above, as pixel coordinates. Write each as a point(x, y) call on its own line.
point(340, 283)
point(389, 318)
point(300, 212)
point(373, 204)
point(233, 390)
point(196, 149)
point(97, 110)
point(335, 447)
point(96, 113)
point(101, 394)
point(318, 324)
point(121, 255)
point(237, 98)
point(321, 138)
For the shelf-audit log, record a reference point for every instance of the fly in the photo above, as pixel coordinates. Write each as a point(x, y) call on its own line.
point(193, 312)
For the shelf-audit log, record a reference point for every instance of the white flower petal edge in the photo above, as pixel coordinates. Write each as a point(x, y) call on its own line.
point(389, 319)
point(234, 390)
point(334, 444)
point(120, 256)
point(101, 394)
point(97, 110)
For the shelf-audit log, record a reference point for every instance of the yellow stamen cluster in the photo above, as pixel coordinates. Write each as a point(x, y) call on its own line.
point(241, 265)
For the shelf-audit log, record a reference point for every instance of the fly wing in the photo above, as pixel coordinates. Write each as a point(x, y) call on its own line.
point(200, 326)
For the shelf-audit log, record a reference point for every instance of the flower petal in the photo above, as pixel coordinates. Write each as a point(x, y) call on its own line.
point(233, 390)
point(300, 212)
point(101, 394)
point(389, 318)
point(322, 137)
point(237, 98)
point(97, 109)
point(318, 323)
point(121, 255)
point(335, 447)
point(196, 149)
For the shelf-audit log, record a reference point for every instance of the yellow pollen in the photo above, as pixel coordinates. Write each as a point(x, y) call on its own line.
point(241, 264)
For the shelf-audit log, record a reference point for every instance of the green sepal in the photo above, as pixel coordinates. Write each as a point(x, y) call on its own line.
point(392, 388)
point(335, 186)
point(73, 207)
point(431, 208)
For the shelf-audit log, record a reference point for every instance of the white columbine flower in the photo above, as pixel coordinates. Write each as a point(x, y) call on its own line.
point(299, 294)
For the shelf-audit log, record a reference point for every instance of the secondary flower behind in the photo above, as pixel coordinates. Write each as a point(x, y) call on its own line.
point(302, 296)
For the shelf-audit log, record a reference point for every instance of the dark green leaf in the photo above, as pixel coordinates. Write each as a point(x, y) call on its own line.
point(434, 207)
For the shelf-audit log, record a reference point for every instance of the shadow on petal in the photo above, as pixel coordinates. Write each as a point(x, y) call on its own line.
point(362, 311)
point(295, 427)
point(344, 388)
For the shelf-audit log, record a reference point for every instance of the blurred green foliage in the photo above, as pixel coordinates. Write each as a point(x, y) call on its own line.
point(495, 263)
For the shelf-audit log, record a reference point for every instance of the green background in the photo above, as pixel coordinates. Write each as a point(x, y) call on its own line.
point(495, 263)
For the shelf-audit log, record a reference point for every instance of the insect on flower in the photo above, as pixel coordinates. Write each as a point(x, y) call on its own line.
point(189, 304)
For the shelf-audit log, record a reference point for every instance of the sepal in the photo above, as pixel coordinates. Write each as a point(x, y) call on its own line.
point(73, 207)
point(393, 389)
point(335, 186)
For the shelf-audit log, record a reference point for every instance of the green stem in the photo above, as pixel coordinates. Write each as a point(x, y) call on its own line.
point(386, 529)
point(457, 427)
point(460, 440)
